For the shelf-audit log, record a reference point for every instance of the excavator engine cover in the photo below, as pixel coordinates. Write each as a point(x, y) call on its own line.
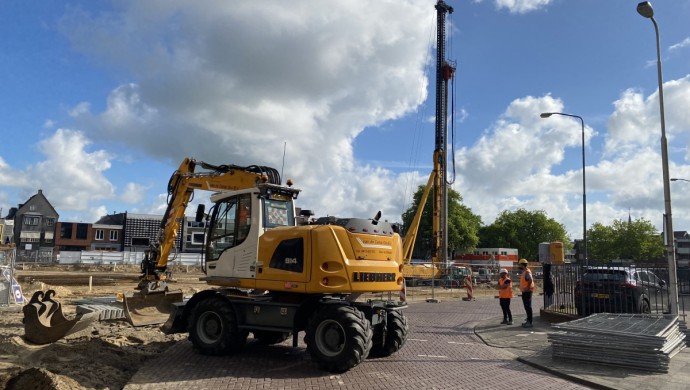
point(150, 308)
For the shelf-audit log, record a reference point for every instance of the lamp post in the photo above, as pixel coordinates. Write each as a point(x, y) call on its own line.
point(645, 9)
point(584, 191)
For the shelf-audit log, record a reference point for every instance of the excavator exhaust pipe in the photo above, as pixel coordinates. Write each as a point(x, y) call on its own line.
point(44, 322)
point(150, 308)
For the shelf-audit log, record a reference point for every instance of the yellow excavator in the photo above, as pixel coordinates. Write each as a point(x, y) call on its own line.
point(273, 278)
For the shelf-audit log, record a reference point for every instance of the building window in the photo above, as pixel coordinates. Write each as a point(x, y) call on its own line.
point(33, 221)
point(113, 235)
point(50, 221)
point(32, 208)
point(82, 231)
point(99, 234)
point(48, 240)
point(66, 230)
point(140, 241)
point(198, 238)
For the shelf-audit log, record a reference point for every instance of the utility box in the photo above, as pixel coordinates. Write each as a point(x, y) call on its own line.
point(551, 252)
point(557, 253)
point(545, 253)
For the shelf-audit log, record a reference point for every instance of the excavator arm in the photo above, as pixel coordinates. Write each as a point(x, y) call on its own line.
point(151, 304)
point(183, 182)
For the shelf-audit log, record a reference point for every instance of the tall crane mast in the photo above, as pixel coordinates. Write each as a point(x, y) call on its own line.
point(444, 72)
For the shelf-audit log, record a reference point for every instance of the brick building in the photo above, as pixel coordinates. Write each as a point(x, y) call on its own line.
point(73, 236)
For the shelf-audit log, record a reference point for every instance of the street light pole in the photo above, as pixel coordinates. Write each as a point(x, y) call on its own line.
point(677, 179)
point(584, 191)
point(645, 9)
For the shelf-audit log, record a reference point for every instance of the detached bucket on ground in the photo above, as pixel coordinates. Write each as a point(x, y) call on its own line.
point(44, 322)
point(150, 309)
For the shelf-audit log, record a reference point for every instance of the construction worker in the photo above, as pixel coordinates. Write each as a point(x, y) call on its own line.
point(526, 288)
point(505, 294)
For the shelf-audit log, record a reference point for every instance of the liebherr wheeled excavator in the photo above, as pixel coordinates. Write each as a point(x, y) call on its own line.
point(273, 278)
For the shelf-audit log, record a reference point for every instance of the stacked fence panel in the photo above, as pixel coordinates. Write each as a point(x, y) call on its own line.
point(646, 342)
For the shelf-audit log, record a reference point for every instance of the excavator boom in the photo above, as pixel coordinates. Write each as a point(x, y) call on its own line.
point(151, 303)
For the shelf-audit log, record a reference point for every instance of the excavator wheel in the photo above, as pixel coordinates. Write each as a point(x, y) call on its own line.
point(338, 337)
point(214, 330)
point(269, 337)
point(389, 339)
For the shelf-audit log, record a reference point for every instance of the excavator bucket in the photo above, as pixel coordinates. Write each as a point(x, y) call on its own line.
point(44, 322)
point(150, 308)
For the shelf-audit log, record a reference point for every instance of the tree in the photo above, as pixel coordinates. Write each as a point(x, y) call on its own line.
point(523, 230)
point(632, 240)
point(463, 225)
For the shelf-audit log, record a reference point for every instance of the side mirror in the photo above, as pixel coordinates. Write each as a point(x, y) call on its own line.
point(662, 283)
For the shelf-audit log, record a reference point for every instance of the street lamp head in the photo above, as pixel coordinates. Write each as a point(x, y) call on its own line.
point(546, 114)
point(674, 179)
point(645, 9)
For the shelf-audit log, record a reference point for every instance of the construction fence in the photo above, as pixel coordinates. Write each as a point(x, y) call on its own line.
point(614, 288)
point(122, 258)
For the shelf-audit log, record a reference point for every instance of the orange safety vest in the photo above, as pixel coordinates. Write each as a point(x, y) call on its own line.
point(505, 290)
point(524, 285)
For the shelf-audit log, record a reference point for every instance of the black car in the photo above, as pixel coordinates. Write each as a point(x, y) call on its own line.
point(621, 290)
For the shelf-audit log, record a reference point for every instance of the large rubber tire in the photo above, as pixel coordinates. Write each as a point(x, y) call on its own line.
point(213, 330)
point(392, 337)
point(269, 338)
point(338, 337)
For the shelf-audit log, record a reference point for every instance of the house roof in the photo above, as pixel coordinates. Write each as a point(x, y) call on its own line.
point(38, 197)
point(112, 219)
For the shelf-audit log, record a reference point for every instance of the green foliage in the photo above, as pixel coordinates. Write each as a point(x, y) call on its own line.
point(523, 230)
point(463, 225)
point(631, 240)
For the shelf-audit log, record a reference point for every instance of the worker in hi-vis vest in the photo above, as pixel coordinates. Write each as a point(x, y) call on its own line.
point(505, 294)
point(526, 288)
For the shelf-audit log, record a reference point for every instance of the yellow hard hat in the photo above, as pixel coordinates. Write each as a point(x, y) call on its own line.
point(522, 261)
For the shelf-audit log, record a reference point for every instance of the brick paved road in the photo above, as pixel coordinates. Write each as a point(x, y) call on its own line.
point(442, 352)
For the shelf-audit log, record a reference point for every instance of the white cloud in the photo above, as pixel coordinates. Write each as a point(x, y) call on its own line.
point(515, 164)
point(133, 193)
point(70, 175)
point(205, 81)
point(79, 109)
point(10, 177)
point(680, 45)
point(217, 87)
point(522, 6)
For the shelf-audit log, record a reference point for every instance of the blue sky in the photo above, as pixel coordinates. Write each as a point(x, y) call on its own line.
point(102, 100)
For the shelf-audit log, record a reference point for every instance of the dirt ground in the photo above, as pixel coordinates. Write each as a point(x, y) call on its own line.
point(107, 353)
point(103, 356)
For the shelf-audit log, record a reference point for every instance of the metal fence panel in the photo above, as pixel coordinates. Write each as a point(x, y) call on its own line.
point(613, 288)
